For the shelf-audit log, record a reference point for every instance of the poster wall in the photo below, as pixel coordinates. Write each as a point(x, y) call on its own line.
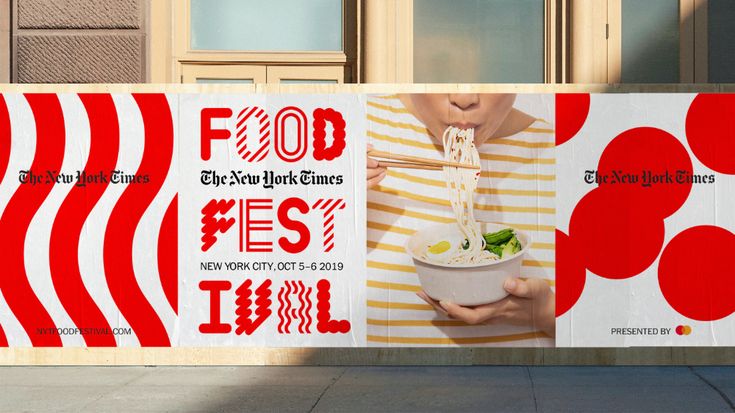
point(353, 220)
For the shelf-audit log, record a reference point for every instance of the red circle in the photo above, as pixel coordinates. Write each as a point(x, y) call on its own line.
point(651, 152)
point(710, 130)
point(322, 285)
point(695, 274)
point(571, 113)
point(344, 326)
point(679, 330)
point(570, 274)
point(615, 240)
point(323, 309)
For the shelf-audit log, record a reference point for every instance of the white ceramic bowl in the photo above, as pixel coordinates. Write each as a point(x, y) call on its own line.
point(464, 284)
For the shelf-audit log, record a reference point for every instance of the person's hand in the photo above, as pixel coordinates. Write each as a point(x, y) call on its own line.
point(375, 173)
point(530, 303)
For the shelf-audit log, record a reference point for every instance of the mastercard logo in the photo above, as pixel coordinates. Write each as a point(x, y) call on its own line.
point(683, 330)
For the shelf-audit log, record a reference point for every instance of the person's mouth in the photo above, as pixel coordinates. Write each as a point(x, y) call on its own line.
point(464, 125)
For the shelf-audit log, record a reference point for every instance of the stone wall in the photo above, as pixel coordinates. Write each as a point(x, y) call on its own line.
point(79, 41)
point(4, 41)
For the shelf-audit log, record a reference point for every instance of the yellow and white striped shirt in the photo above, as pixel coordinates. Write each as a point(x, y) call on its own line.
point(517, 188)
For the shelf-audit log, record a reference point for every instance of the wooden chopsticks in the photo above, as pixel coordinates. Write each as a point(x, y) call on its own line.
point(415, 162)
point(408, 165)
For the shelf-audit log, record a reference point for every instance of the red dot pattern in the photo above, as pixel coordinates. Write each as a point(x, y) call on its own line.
point(617, 231)
point(695, 274)
point(571, 113)
point(325, 324)
point(710, 130)
point(651, 150)
point(570, 274)
point(618, 228)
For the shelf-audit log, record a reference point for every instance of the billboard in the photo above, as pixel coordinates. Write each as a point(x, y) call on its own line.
point(355, 220)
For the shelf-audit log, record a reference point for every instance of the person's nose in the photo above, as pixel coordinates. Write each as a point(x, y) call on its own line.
point(464, 101)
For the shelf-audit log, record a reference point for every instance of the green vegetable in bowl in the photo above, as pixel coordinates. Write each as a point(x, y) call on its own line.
point(499, 243)
point(495, 249)
point(511, 247)
point(497, 238)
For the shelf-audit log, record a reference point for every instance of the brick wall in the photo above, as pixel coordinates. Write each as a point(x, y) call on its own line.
point(79, 41)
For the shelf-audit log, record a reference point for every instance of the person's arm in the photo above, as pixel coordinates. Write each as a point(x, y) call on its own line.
point(531, 303)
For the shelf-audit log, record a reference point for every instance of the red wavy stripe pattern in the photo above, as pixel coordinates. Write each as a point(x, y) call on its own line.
point(308, 311)
point(302, 305)
point(168, 266)
point(23, 302)
point(118, 248)
point(64, 247)
point(287, 310)
point(281, 304)
point(4, 137)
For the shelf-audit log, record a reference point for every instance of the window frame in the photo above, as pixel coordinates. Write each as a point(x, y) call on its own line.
point(191, 72)
point(388, 50)
point(278, 73)
point(615, 40)
point(170, 46)
point(596, 46)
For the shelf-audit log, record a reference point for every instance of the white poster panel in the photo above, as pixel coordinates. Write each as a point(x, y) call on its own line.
point(644, 206)
point(271, 220)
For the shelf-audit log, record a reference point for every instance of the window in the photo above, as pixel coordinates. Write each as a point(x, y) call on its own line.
point(471, 41)
point(720, 62)
point(254, 41)
point(478, 41)
point(273, 25)
point(652, 41)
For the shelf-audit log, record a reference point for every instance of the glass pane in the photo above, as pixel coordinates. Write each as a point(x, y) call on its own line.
point(650, 41)
point(273, 25)
point(307, 81)
point(207, 81)
point(720, 18)
point(478, 41)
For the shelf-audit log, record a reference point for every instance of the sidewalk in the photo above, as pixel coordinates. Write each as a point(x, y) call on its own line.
point(357, 389)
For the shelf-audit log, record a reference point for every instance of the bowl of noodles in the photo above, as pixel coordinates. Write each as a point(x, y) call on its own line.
point(465, 262)
point(446, 272)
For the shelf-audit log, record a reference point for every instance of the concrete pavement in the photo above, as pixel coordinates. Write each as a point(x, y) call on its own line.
point(357, 389)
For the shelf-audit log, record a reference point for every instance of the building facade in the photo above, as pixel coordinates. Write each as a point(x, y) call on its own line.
point(377, 41)
point(367, 41)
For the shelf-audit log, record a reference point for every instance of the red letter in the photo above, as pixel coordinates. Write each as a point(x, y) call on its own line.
point(328, 206)
point(208, 133)
point(243, 302)
point(325, 324)
point(214, 326)
point(263, 136)
point(301, 134)
point(298, 226)
point(321, 152)
point(212, 225)
point(252, 225)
